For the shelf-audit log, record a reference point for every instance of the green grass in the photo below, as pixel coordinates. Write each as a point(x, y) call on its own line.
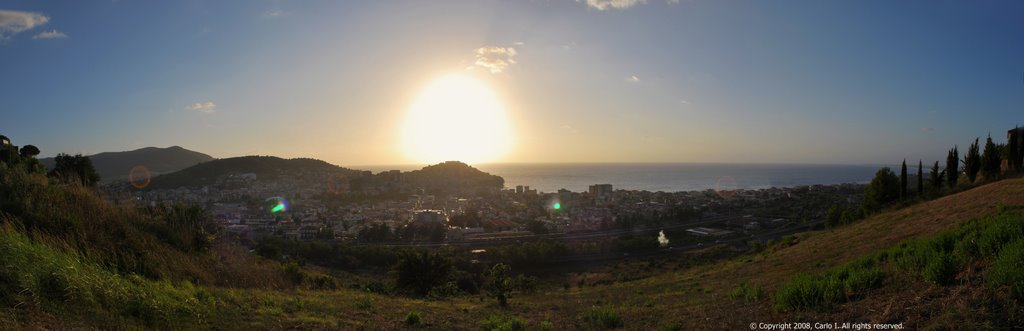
point(37, 277)
point(605, 317)
point(503, 323)
point(747, 293)
point(413, 318)
point(935, 260)
point(1006, 269)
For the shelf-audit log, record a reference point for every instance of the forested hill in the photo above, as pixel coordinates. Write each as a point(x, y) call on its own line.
point(114, 166)
point(264, 167)
point(452, 176)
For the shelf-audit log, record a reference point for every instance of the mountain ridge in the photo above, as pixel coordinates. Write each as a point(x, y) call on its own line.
point(113, 166)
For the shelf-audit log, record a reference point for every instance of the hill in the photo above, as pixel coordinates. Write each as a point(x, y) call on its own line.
point(452, 176)
point(263, 167)
point(113, 166)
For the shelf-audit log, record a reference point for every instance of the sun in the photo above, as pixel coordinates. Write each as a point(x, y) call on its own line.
point(456, 118)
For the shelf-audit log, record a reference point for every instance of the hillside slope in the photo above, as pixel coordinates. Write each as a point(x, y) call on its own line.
point(62, 271)
point(114, 166)
point(700, 297)
point(262, 166)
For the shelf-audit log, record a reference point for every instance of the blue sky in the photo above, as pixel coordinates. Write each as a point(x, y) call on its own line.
point(849, 82)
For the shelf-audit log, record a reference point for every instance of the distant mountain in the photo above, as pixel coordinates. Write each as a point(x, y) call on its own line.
point(114, 166)
point(263, 167)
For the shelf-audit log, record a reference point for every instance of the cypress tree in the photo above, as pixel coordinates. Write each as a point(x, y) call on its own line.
point(920, 179)
point(952, 167)
point(1012, 149)
point(990, 160)
point(903, 180)
point(936, 177)
point(972, 161)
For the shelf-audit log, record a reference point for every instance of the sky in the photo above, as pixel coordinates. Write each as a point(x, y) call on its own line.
point(831, 82)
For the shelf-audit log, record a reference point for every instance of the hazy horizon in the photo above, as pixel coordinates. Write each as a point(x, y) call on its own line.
point(389, 83)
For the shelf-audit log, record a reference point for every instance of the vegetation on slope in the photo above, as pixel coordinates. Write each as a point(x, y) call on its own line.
point(262, 166)
point(118, 165)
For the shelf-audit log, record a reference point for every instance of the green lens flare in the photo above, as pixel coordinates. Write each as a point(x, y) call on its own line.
point(277, 208)
point(558, 205)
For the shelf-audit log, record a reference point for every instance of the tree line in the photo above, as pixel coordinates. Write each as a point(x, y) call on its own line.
point(67, 168)
point(980, 164)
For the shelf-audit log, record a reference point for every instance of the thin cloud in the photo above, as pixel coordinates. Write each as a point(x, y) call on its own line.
point(613, 4)
point(684, 102)
point(495, 59)
point(569, 128)
point(203, 107)
point(14, 22)
point(53, 34)
point(927, 129)
point(633, 79)
point(274, 13)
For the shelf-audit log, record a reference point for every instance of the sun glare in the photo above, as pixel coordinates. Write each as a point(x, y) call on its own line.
point(456, 118)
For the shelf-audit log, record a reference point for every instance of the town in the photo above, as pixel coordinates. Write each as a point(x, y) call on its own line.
point(361, 207)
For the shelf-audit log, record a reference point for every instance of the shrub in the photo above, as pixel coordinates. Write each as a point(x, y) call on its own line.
point(806, 291)
point(747, 293)
point(674, 326)
point(418, 273)
point(940, 269)
point(603, 317)
point(413, 318)
point(837, 285)
point(449, 289)
point(1006, 269)
point(503, 323)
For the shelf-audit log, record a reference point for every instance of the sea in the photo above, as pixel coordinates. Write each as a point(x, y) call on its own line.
point(667, 177)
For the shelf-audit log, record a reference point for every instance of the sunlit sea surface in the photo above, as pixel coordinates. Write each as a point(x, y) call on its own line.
point(669, 177)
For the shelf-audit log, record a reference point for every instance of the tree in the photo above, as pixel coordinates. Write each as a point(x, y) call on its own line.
point(972, 162)
point(1012, 148)
point(903, 180)
point(76, 168)
point(952, 167)
point(500, 284)
point(882, 190)
point(29, 151)
point(920, 178)
point(537, 227)
point(833, 216)
point(1018, 137)
point(375, 233)
point(420, 272)
point(990, 160)
point(936, 177)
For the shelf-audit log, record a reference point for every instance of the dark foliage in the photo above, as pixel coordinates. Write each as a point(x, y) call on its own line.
point(952, 167)
point(883, 190)
point(417, 273)
point(972, 162)
point(75, 169)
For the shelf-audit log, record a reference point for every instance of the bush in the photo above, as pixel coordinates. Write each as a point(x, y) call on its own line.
point(837, 285)
point(413, 318)
point(747, 293)
point(503, 323)
point(418, 273)
point(806, 291)
point(603, 317)
point(940, 269)
point(1006, 269)
point(449, 289)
